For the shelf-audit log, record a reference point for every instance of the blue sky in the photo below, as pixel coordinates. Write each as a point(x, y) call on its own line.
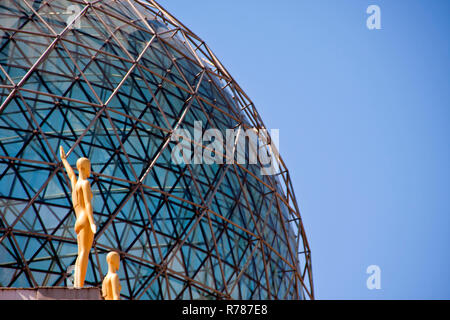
point(364, 125)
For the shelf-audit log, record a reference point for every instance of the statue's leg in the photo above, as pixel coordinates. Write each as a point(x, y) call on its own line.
point(76, 279)
point(86, 237)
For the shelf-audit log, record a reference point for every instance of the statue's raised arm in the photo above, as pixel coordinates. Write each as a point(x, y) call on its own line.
point(69, 170)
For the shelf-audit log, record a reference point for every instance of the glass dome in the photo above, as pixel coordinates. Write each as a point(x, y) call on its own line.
point(112, 81)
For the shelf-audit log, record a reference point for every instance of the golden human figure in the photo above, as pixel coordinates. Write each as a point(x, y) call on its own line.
point(111, 285)
point(84, 226)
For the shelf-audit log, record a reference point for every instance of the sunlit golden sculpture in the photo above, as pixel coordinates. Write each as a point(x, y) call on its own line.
point(84, 226)
point(111, 285)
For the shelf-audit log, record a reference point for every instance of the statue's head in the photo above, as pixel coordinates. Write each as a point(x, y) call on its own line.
point(113, 260)
point(84, 165)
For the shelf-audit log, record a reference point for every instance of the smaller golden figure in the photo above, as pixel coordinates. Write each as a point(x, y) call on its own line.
point(111, 285)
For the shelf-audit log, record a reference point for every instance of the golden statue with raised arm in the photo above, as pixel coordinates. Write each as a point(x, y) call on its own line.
point(111, 284)
point(84, 226)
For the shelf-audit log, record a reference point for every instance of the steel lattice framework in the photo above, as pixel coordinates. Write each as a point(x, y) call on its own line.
point(112, 80)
